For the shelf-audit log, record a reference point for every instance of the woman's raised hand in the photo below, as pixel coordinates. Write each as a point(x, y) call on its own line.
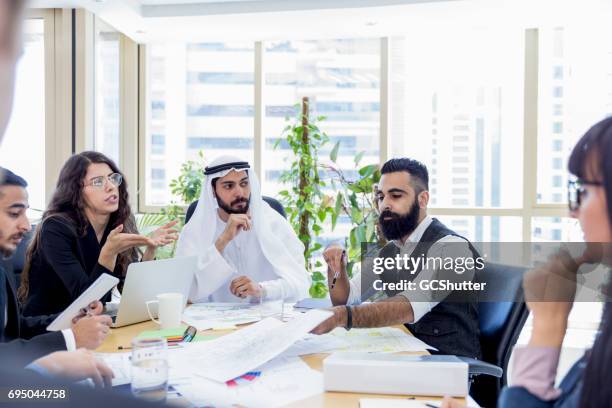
point(165, 234)
point(118, 242)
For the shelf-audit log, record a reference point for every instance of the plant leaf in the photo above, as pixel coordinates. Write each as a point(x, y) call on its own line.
point(333, 155)
point(358, 157)
point(317, 276)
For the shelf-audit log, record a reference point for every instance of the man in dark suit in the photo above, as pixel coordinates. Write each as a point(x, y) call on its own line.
point(27, 336)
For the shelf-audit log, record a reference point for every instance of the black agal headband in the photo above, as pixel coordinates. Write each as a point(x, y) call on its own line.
point(227, 166)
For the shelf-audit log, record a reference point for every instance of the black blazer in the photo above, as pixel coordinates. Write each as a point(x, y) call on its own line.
point(23, 339)
point(64, 266)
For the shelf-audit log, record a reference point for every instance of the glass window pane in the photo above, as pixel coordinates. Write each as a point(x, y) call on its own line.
point(342, 80)
point(556, 229)
point(107, 71)
point(485, 228)
point(199, 98)
point(456, 105)
point(23, 148)
point(575, 92)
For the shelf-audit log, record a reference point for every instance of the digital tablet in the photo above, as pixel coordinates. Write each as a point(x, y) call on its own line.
point(95, 292)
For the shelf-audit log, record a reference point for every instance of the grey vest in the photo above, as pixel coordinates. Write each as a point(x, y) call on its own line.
point(451, 326)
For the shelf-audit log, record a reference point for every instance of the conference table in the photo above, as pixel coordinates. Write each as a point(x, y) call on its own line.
point(122, 337)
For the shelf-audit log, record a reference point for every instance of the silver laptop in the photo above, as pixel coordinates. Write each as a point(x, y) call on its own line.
point(145, 280)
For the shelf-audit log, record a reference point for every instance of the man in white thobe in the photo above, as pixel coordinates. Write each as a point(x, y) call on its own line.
point(246, 250)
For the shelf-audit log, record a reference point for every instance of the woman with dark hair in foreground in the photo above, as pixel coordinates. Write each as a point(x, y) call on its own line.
point(550, 292)
point(88, 229)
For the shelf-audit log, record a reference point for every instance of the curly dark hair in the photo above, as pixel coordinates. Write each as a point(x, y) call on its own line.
point(68, 204)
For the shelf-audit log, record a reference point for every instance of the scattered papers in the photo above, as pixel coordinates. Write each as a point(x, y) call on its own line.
point(173, 333)
point(243, 379)
point(204, 316)
point(282, 381)
point(121, 364)
point(310, 303)
point(237, 353)
point(313, 344)
point(379, 340)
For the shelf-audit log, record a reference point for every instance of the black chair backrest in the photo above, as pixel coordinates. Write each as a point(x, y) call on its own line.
point(500, 324)
point(274, 203)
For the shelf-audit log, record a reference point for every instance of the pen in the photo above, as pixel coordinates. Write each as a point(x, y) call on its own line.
point(86, 312)
point(176, 345)
point(190, 334)
point(337, 273)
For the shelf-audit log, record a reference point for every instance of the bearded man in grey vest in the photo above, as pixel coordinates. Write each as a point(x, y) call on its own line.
point(445, 319)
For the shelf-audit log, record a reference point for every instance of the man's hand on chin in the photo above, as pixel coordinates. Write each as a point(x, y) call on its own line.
point(337, 320)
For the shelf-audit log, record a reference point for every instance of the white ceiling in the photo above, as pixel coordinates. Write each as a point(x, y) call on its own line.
point(174, 8)
point(226, 20)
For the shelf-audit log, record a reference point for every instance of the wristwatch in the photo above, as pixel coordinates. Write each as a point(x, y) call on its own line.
point(349, 318)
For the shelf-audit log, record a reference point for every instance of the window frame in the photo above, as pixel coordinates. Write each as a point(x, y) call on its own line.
point(58, 90)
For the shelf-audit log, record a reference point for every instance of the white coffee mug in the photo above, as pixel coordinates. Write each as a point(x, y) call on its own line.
point(170, 310)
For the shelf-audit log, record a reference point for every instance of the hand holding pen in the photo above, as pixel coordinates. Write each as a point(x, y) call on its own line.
point(335, 257)
point(93, 309)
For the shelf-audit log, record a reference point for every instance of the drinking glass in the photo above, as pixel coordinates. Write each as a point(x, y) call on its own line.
point(150, 369)
point(272, 307)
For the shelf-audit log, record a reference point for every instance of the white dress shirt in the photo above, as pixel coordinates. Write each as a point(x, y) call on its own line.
point(421, 301)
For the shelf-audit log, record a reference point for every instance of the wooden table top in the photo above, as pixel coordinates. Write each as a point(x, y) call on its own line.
point(123, 336)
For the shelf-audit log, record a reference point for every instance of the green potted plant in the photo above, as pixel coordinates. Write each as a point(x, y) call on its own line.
point(304, 201)
point(356, 200)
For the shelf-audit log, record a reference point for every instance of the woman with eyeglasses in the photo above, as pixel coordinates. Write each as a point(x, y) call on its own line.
point(88, 229)
point(550, 291)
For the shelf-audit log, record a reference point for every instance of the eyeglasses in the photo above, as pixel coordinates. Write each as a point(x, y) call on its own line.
point(99, 182)
point(575, 191)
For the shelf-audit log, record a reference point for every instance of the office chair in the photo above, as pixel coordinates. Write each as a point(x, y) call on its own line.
point(500, 324)
point(274, 203)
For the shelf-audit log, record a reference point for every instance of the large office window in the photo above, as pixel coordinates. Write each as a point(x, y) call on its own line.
point(575, 92)
point(199, 98)
point(23, 148)
point(456, 105)
point(107, 106)
point(485, 228)
point(342, 80)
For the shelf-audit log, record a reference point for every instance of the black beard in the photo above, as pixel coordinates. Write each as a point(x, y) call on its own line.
point(228, 208)
point(399, 225)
